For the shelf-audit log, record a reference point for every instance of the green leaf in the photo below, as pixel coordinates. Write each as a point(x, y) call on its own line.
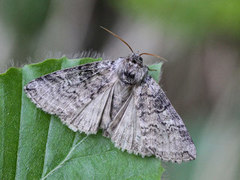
point(197, 18)
point(36, 145)
point(155, 71)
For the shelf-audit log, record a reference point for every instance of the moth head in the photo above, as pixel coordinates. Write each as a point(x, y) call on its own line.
point(135, 59)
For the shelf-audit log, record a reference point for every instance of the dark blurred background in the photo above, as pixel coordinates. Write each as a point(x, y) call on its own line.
point(200, 39)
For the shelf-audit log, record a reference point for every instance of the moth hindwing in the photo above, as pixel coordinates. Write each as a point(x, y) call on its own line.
point(120, 98)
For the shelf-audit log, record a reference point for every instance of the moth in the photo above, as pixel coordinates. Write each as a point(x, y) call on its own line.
point(120, 98)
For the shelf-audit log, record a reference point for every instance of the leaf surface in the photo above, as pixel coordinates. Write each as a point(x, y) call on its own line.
point(36, 145)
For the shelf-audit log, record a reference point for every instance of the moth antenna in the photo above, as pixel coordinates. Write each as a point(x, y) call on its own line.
point(159, 57)
point(117, 37)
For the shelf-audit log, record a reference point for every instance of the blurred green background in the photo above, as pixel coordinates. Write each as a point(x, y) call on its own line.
point(200, 39)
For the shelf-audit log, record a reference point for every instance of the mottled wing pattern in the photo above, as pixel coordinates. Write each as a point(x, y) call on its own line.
point(151, 126)
point(77, 95)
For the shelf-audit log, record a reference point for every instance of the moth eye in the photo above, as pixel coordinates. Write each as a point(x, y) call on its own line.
point(134, 61)
point(140, 58)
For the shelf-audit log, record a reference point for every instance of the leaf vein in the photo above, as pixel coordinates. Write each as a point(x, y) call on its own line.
point(65, 159)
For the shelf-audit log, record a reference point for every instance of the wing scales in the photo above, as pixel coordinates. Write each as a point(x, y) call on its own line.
point(151, 126)
point(67, 93)
point(165, 133)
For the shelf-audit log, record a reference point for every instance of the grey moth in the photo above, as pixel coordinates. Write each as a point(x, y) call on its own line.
point(120, 98)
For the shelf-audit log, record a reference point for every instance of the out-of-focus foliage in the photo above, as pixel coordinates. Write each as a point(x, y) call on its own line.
point(199, 16)
point(25, 16)
point(23, 20)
